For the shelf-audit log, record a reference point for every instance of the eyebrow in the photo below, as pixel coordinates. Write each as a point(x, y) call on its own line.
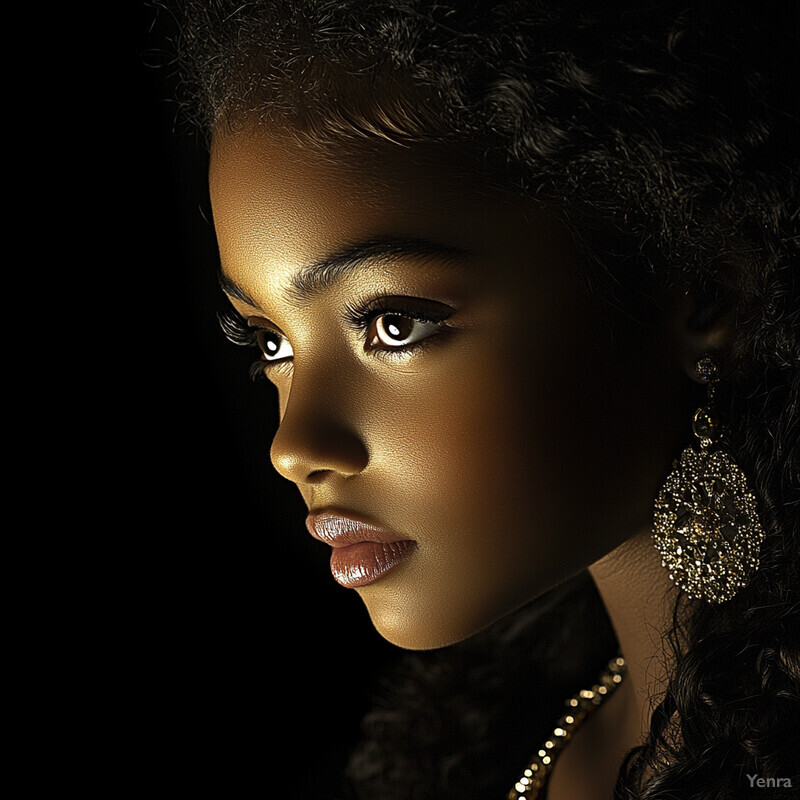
point(315, 278)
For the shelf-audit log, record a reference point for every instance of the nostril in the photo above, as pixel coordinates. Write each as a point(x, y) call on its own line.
point(317, 476)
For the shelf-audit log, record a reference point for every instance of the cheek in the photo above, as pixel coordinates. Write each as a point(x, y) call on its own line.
point(514, 468)
point(475, 445)
point(461, 475)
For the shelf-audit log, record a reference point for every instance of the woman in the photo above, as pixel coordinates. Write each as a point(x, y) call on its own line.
point(494, 256)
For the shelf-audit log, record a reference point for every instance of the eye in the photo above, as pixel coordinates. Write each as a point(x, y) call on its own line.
point(399, 330)
point(274, 347)
point(398, 323)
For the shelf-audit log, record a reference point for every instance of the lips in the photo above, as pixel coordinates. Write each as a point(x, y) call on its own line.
point(362, 552)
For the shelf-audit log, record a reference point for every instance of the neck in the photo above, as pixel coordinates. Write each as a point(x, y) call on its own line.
point(639, 598)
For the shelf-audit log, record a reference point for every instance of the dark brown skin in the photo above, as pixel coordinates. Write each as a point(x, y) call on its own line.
point(522, 442)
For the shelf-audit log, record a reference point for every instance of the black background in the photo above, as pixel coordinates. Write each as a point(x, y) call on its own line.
point(241, 665)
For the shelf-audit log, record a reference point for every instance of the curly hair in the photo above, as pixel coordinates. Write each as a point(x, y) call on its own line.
point(673, 128)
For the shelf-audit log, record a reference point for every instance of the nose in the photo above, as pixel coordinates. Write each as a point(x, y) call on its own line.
point(317, 438)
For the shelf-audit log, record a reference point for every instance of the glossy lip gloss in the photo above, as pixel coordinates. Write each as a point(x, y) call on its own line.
point(362, 552)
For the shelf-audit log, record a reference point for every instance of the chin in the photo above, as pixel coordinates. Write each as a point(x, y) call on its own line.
point(413, 627)
point(411, 637)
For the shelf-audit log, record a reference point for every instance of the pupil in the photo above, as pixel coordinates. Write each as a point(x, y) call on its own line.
point(398, 327)
point(268, 342)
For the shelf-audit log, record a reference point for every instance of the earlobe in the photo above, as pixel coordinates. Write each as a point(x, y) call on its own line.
point(706, 325)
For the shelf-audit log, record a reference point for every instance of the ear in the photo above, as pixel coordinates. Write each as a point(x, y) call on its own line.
point(706, 325)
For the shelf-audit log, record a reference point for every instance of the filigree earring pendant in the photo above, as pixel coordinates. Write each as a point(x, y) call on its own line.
point(706, 524)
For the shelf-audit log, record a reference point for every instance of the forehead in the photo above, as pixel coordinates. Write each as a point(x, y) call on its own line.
point(279, 204)
point(258, 172)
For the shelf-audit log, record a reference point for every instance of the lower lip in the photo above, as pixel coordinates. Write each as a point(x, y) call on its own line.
point(363, 563)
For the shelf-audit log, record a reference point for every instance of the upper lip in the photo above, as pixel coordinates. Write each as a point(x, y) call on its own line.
point(340, 529)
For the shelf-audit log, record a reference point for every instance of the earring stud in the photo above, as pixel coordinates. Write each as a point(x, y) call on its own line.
point(705, 524)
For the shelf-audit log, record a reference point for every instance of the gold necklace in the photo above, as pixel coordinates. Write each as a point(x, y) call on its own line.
point(580, 707)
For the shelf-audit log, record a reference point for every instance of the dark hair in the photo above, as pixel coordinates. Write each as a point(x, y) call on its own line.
point(675, 127)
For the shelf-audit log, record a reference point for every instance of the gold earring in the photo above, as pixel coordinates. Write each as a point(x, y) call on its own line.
point(706, 524)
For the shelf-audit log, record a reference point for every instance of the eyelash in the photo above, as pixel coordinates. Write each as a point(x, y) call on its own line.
point(237, 331)
point(362, 317)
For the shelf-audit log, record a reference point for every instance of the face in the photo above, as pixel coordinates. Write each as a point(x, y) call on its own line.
point(466, 424)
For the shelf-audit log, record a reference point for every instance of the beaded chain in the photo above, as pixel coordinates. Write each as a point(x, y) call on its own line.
point(580, 707)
